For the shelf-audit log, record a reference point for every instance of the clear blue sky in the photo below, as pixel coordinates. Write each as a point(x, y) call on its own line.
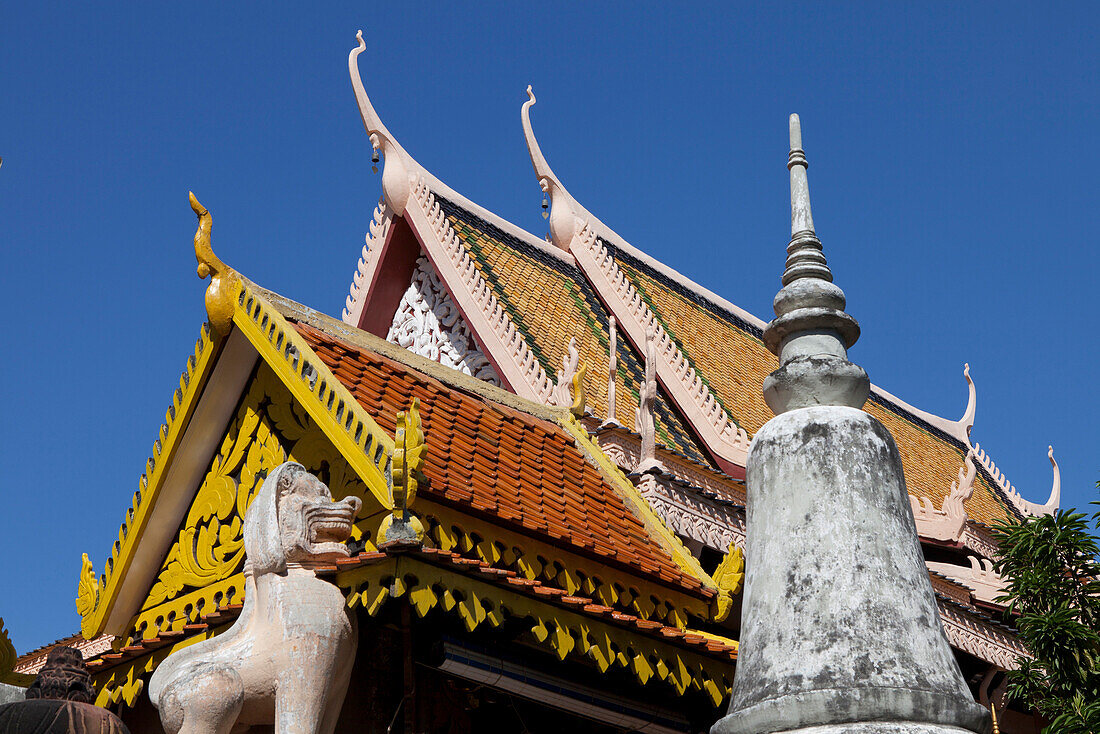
point(952, 154)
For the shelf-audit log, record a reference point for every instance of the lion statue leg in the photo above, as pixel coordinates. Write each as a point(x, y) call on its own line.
point(308, 697)
point(207, 702)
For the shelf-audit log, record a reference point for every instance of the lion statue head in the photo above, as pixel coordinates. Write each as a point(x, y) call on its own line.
point(293, 519)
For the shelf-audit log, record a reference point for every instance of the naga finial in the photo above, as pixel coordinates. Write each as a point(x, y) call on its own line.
point(569, 391)
point(396, 185)
point(729, 577)
point(967, 421)
point(405, 477)
point(1055, 498)
point(8, 657)
point(564, 220)
point(221, 294)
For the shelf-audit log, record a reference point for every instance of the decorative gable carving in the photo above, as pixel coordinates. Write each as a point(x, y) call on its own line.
point(429, 323)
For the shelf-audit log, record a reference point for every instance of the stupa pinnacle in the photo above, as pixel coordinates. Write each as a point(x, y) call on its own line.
point(840, 631)
point(811, 331)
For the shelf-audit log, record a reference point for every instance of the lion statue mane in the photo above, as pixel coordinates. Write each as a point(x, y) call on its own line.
point(287, 659)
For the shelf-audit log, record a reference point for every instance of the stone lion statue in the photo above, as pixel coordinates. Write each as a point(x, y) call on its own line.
point(287, 659)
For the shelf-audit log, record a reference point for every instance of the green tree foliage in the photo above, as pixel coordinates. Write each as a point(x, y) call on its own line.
point(1052, 569)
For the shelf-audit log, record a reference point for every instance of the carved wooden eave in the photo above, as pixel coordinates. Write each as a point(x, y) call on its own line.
point(624, 447)
point(979, 635)
point(717, 525)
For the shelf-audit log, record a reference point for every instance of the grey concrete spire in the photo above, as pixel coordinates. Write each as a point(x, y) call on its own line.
point(840, 632)
point(811, 332)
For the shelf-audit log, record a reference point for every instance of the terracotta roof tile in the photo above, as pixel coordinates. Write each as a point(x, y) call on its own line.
point(551, 492)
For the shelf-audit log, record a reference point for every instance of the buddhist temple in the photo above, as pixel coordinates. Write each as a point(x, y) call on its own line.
point(517, 463)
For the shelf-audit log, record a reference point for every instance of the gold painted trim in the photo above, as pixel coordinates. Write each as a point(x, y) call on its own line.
point(96, 596)
point(561, 631)
point(535, 559)
point(657, 528)
point(333, 408)
point(124, 684)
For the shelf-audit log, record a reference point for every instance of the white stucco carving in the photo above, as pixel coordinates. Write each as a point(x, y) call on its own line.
point(612, 370)
point(624, 448)
point(692, 516)
point(287, 659)
point(980, 577)
point(948, 522)
point(515, 361)
point(978, 539)
point(643, 415)
point(981, 639)
point(428, 323)
point(356, 300)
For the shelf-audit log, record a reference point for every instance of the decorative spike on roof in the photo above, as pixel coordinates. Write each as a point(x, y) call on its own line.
point(811, 331)
point(221, 294)
point(566, 216)
point(967, 421)
point(399, 165)
point(612, 369)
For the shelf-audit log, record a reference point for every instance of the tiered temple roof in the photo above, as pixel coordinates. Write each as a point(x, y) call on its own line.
point(541, 504)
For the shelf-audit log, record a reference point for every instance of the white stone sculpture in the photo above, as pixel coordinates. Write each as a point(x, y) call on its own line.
point(643, 416)
point(428, 323)
point(287, 659)
point(612, 370)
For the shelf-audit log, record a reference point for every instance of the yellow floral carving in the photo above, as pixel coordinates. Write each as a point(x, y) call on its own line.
point(87, 594)
point(408, 456)
point(269, 429)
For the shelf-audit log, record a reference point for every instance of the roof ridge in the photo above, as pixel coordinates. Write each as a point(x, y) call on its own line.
point(356, 299)
point(364, 340)
point(514, 359)
point(631, 497)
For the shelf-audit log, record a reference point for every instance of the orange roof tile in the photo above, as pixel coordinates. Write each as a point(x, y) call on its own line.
point(511, 468)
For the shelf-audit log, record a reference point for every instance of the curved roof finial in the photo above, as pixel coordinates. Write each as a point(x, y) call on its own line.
point(1056, 488)
point(564, 219)
point(396, 185)
point(967, 421)
point(221, 294)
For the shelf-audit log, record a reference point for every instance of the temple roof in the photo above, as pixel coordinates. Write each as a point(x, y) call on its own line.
point(506, 465)
point(524, 298)
point(550, 302)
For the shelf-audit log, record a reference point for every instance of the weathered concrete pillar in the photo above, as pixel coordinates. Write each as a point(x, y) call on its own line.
point(840, 630)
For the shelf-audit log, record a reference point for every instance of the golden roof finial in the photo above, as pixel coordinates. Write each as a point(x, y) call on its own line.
point(221, 294)
point(8, 656)
point(728, 576)
point(408, 456)
point(580, 395)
